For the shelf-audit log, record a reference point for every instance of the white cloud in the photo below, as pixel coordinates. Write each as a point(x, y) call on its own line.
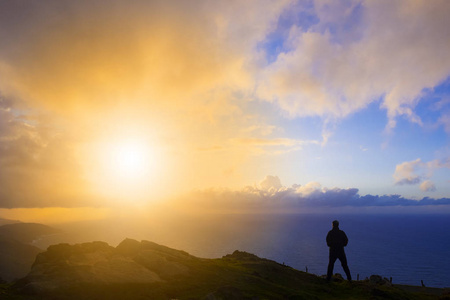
point(308, 189)
point(363, 149)
point(398, 49)
point(274, 146)
point(270, 183)
point(406, 172)
point(427, 186)
point(37, 167)
point(417, 171)
point(64, 54)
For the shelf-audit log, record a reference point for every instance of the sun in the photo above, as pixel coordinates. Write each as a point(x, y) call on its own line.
point(130, 159)
point(122, 167)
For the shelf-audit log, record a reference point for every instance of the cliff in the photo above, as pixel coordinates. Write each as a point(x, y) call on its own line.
point(146, 270)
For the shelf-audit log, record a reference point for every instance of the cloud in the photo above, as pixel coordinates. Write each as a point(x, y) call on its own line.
point(416, 171)
point(37, 167)
point(74, 72)
point(263, 130)
point(80, 56)
point(175, 72)
point(405, 173)
point(308, 189)
point(158, 63)
point(272, 197)
point(427, 186)
point(70, 56)
point(270, 183)
point(371, 50)
point(274, 146)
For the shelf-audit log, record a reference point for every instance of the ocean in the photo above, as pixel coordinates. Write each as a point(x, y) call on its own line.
point(408, 248)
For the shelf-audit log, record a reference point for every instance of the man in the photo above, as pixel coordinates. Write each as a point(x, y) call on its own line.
point(337, 240)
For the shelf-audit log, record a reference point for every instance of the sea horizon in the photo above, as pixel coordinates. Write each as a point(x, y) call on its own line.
point(408, 248)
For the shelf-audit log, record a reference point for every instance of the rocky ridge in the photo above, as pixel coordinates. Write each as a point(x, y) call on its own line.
point(146, 270)
point(65, 265)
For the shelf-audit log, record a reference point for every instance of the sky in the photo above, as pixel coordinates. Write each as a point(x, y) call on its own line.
point(255, 106)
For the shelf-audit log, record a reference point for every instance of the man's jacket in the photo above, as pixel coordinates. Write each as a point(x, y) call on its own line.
point(336, 239)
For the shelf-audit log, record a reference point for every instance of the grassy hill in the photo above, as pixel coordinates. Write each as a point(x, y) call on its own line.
point(99, 271)
point(17, 253)
point(26, 232)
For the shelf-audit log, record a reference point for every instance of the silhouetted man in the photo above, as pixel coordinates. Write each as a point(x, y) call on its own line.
point(337, 240)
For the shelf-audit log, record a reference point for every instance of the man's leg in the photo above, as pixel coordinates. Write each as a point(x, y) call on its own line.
point(332, 260)
point(343, 260)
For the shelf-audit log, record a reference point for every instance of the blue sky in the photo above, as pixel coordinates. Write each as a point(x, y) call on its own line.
point(367, 143)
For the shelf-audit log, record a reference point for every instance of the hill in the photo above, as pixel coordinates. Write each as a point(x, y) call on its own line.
point(146, 270)
point(17, 254)
point(7, 221)
point(16, 258)
point(27, 233)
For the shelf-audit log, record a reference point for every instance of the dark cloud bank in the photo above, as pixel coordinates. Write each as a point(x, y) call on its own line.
point(304, 198)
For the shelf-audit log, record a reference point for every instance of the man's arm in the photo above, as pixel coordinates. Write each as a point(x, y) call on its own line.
point(345, 239)
point(328, 240)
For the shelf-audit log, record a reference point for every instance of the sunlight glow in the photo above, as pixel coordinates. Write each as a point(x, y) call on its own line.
point(130, 160)
point(123, 167)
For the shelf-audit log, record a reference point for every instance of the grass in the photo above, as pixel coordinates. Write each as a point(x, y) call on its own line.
point(237, 276)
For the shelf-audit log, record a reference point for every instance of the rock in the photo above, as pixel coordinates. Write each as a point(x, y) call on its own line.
point(338, 277)
point(166, 251)
point(129, 247)
point(160, 264)
point(378, 280)
point(164, 261)
point(375, 279)
point(242, 255)
point(67, 265)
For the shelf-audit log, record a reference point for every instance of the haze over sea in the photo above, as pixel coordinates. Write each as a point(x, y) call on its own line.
point(408, 248)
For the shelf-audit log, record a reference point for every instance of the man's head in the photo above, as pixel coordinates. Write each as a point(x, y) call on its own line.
point(335, 224)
